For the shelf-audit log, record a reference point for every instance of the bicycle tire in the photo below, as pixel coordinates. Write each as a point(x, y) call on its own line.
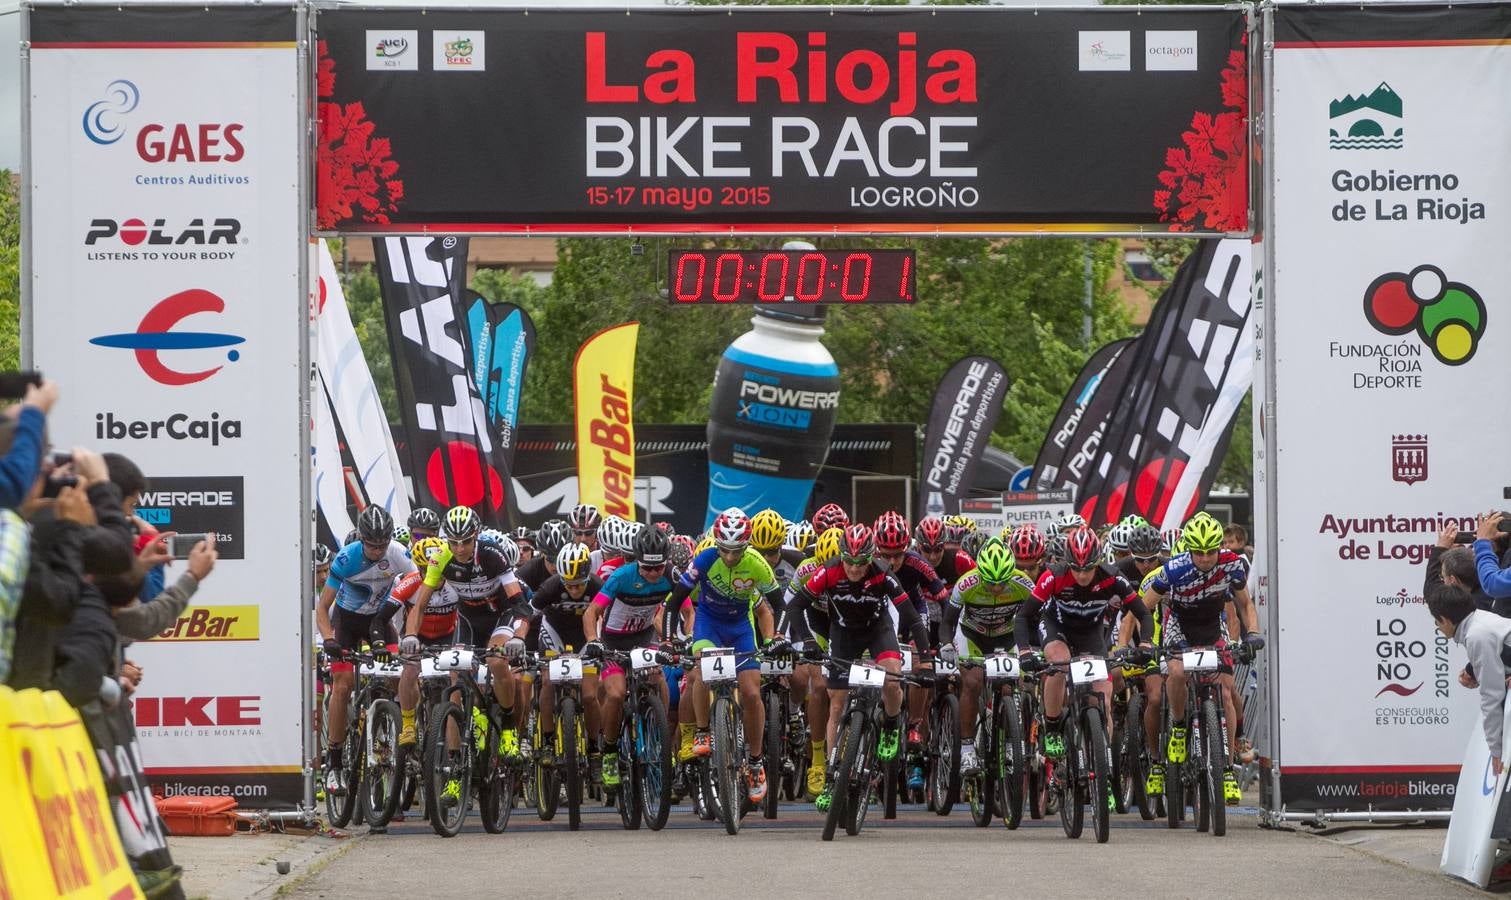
point(442, 768)
point(799, 750)
point(1175, 789)
point(627, 794)
point(1033, 759)
point(1134, 772)
point(496, 794)
point(978, 790)
point(547, 795)
point(726, 764)
point(944, 737)
point(1099, 779)
point(351, 753)
point(654, 760)
point(568, 743)
point(1217, 766)
point(1072, 809)
point(839, 790)
point(776, 720)
point(384, 775)
point(1011, 780)
point(862, 776)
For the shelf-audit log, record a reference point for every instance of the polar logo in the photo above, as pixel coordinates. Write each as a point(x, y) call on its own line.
point(102, 118)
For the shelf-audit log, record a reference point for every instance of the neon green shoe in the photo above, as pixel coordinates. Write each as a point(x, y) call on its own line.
point(1054, 745)
point(1232, 794)
point(508, 743)
point(611, 770)
point(479, 729)
point(451, 794)
point(1154, 785)
point(1175, 750)
point(887, 743)
point(825, 797)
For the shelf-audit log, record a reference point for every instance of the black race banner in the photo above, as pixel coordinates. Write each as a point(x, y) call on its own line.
point(966, 406)
point(1060, 442)
point(764, 121)
point(450, 443)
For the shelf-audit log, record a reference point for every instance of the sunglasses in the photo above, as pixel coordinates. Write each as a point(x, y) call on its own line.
point(937, 548)
point(652, 567)
point(897, 555)
point(584, 532)
point(854, 560)
point(1085, 568)
point(1146, 559)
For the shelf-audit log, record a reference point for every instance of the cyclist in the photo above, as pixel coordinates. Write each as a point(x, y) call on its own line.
point(800, 537)
point(858, 594)
point(1144, 548)
point(830, 515)
point(321, 558)
point(615, 545)
point(980, 615)
point(768, 532)
point(623, 617)
point(361, 577)
point(524, 538)
point(810, 688)
point(1029, 549)
point(401, 534)
point(931, 539)
point(584, 520)
point(423, 523)
point(927, 591)
point(554, 534)
point(563, 601)
point(732, 579)
point(1076, 598)
point(1195, 586)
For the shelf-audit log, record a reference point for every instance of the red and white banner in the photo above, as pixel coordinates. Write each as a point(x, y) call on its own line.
point(165, 297)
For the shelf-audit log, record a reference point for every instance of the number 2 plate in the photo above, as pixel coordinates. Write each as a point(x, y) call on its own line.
point(718, 664)
point(1001, 665)
point(862, 675)
point(1203, 660)
point(1088, 671)
point(566, 668)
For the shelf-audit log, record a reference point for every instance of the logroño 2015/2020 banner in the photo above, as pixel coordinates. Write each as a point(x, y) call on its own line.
point(758, 120)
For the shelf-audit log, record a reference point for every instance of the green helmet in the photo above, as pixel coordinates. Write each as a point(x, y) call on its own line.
point(1135, 520)
point(1202, 534)
point(995, 563)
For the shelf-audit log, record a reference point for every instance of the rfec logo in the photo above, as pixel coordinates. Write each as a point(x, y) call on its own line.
point(154, 335)
point(1367, 122)
point(1448, 316)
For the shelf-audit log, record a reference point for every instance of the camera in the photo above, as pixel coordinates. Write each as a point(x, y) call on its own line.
point(13, 385)
point(62, 475)
point(1467, 537)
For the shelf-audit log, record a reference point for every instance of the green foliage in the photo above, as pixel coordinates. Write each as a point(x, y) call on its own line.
point(10, 272)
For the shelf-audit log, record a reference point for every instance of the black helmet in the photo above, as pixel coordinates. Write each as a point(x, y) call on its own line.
point(461, 524)
point(322, 555)
point(352, 537)
point(652, 547)
point(1146, 541)
point(554, 534)
point(425, 519)
point(375, 525)
point(523, 535)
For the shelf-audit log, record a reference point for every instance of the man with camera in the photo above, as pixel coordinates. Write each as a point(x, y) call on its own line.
point(1494, 580)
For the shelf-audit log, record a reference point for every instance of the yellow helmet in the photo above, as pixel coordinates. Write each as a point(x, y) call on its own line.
point(574, 563)
point(767, 530)
point(706, 544)
point(826, 547)
point(426, 550)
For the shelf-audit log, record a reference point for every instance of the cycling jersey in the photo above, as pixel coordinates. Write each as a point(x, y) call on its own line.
point(978, 610)
point(533, 572)
point(362, 584)
point(1073, 608)
point(729, 594)
point(632, 600)
point(1198, 598)
point(953, 565)
point(478, 583)
point(857, 605)
point(603, 569)
point(803, 572)
point(786, 565)
point(438, 624)
point(561, 615)
point(922, 583)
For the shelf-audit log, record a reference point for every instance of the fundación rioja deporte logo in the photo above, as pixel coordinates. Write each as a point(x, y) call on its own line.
point(1448, 316)
point(1367, 122)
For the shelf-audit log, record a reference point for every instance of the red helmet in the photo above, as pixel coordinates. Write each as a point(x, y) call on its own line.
point(857, 544)
point(892, 531)
point(1083, 549)
point(830, 515)
point(929, 533)
point(1028, 542)
point(732, 529)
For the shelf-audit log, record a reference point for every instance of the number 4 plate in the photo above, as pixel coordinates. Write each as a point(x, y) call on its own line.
point(718, 664)
point(1199, 660)
point(862, 675)
point(1088, 671)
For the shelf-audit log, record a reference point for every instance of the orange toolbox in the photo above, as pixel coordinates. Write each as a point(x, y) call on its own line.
point(198, 816)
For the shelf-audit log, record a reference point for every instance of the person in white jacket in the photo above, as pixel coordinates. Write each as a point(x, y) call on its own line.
point(1484, 635)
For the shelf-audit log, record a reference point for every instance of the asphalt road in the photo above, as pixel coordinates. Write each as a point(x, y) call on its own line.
point(918, 852)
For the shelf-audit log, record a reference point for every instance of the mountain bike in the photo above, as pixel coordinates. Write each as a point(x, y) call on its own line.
point(370, 709)
point(1130, 765)
point(858, 766)
point(786, 749)
point(1085, 774)
point(999, 733)
point(570, 740)
point(468, 715)
point(645, 746)
point(725, 773)
point(942, 776)
point(1208, 756)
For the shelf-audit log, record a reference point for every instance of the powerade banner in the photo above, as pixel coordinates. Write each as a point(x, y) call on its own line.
point(1193, 365)
point(163, 287)
point(932, 121)
point(501, 338)
point(603, 390)
point(1392, 318)
point(1059, 441)
point(966, 406)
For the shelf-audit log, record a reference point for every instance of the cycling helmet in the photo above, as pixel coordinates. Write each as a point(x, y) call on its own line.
point(630, 530)
point(491, 536)
point(554, 534)
point(1202, 534)
point(524, 537)
point(1134, 519)
point(956, 528)
point(973, 542)
point(461, 524)
point(424, 518)
point(857, 544)
point(574, 563)
point(995, 562)
point(892, 532)
point(1145, 541)
point(613, 536)
point(1068, 523)
point(681, 552)
point(1028, 542)
point(352, 537)
point(767, 530)
point(375, 526)
point(826, 547)
point(1173, 541)
point(1054, 549)
point(401, 534)
point(509, 549)
point(667, 528)
point(1083, 549)
point(929, 533)
point(425, 551)
point(706, 544)
point(652, 547)
point(1118, 537)
point(800, 536)
point(322, 556)
point(732, 529)
point(584, 517)
point(830, 515)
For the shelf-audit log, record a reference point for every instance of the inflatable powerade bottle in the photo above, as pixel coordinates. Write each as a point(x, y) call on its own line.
point(776, 394)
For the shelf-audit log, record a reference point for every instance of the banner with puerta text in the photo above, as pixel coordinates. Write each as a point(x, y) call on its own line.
point(1391, 220)
point(945, 120)
point(165, 297)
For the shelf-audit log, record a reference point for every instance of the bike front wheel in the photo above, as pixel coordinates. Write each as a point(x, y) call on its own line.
point(1010, 774)
point(727, 764)
point(654, 762)
point(1098, 775)
point(449, 775)
point(1068, 775)
point(944, 757)
point(1216, 768)
point(384, 777)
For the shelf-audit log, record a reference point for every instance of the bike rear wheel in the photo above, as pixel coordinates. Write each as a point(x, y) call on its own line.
point(339, 808)
point(839, 788)
point(1133, 770)
point(568, 745)
point(449, 812)
point(500, 777)
point(776, 724)
point(385, 778)
point(980, 788)
point(727, 764)
point(944, 757)
point(1099, 775)
point(862, 777)
point(627, 795)
point(1216, 768)
point(653, 759)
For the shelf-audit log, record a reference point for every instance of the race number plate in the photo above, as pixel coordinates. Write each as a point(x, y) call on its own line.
point(718, 664)
point(944, 666)
point(566, 669)
point(1001, 665)
point(1202, 660)
point(907, 661)
point(1088, 670)
point(375, 670)
point(456, 659)
point(862, 675)
point(780, 666)
point(428, 669)
point(643, 658)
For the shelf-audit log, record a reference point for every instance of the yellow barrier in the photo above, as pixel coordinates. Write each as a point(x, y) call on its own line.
point(58, 836)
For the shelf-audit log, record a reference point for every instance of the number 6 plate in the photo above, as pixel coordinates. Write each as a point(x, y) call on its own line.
point(862, 675)
point(1203, 660)
point(567, 669)
point(1088, 670)
point(718, 664)
point(643, 658)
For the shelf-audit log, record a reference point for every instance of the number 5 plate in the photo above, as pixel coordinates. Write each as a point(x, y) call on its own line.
point(643, 658)
point(1001, 665)
point(780, 666)
point(718, 664)
point(1088, 671)
point(1203, 660)
point(566, 668)
point(862, 675)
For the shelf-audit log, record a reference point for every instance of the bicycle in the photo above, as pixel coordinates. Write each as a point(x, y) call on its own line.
point(1084, 775)
point(1130, 765)
point(999, 744)
point(858, 769)
point(725, 773)
point(570, 739)
point(467, 713)
point(371, 702)
point(786, 749)
point(645, 748)
point(942, 779)
point(1208, 756)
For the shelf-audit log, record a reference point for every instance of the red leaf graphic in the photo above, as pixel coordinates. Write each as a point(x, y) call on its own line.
point(354, 172)
point(1207, 178)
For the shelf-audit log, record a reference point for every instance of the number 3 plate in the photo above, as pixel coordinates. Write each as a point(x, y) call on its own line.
point(1088, 671)
point(1199, 660)
point(862, 675)
point(718, 664)
point(453, 660)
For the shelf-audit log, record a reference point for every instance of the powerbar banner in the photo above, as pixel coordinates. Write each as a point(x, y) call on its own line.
point(1192, 366)
point(1060, 443)
point(603, 390)
point(164, 290)
point(1392, 216)
point(451, 449)
point(863, 120)
point(966, 406)
point(501, 338)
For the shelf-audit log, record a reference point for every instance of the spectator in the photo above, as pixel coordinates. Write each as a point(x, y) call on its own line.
point(87, 653)
point(1485, 637)
point(23, 456)
point(1495, 581)
point(1451, 564)
point(140, 621)
point(128, 477)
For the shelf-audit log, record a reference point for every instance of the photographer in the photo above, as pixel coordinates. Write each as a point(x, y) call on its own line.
point(1494, 580)
point(1485, 638)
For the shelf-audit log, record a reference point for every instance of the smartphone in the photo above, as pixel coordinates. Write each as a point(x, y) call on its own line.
point(179, 545)
point(13, 385)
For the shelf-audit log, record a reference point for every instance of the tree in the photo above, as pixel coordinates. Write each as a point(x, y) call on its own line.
point(10, 272)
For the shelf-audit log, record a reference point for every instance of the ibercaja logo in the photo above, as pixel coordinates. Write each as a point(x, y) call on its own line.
point(1448, 316)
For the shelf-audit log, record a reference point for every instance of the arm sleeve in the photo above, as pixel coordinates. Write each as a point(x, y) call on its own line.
point(908, 617)
point(106, 500)
point(1484, 653)
point(1434, 575)
point(951, 618)
point(1494, 581)
point(681, 590)
point(147, 620)
point(19, 466)
point(792, 619)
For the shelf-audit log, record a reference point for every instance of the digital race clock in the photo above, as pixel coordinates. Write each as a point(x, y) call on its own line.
point(808, 276)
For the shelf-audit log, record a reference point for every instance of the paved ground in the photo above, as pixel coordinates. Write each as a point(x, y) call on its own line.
point(919, 852)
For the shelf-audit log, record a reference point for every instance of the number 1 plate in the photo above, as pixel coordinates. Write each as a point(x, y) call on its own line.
point(718, 664)
point(862, 675)
point(1203, 660)
point(1088, 671)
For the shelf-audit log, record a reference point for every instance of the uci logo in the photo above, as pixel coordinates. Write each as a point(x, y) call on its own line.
point(154, 335)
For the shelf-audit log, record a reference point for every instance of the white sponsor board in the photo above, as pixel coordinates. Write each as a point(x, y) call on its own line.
point(167, 302)
point(1036, 507)
point(1392, 214)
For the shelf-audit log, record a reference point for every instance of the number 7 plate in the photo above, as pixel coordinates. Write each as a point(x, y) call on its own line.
point(1203, 660)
